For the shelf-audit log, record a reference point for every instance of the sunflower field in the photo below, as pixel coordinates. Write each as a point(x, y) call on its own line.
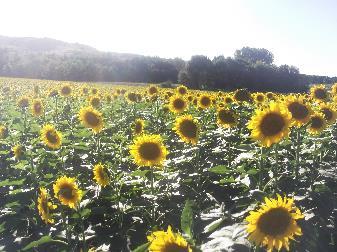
point(103, 167)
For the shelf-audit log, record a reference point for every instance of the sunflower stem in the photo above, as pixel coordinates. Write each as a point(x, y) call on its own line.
point(297, 154)
point(261, 167)
point(276, 168)
point(153, 201)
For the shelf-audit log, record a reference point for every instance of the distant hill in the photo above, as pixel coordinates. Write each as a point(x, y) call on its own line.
point(46, 58)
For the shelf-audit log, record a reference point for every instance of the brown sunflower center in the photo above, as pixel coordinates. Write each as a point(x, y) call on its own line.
point(274, 222)
point(316, 122)
point(205, 101)
point(44, 205)
point(66, 192)
point(37, 107)
point(260, 98)
point(320, 93)
point(178, 103)
point(138, 127)
point(91, 118)
point(272, 124)
point(242, 95)
point(132, 97)
point(152, 90)
point(298, 110)
point(328, 115)
point(52, 136)
point(173, 247)
point(188, 128)
point(182, 91)
point(226, 116)
point(95, 102)
point(66, 90)
point(149, 151)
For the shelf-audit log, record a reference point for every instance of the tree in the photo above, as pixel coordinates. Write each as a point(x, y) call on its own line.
point(199, 71)
point(254, 55)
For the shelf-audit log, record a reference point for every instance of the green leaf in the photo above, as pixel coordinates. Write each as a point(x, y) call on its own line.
point(42, 240)
point(219, 169)
point(186, 220)
point(142, 248)
point(85, 212)
point(139, 173)
point(8, 182)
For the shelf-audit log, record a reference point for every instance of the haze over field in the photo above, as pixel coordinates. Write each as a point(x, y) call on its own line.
point(299, 33)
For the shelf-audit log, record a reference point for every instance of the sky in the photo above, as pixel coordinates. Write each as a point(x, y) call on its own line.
point(302, 33)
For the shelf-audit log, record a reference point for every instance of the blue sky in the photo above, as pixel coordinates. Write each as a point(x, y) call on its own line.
point(298, 32)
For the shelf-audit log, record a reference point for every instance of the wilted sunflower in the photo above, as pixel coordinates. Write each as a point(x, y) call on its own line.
point(187, 128)
point(182, 90)
point(148, 150)
point(3, 132)
point(177, 104)
point(51, 137)
point(317, 123)
point(300, 112)
point(23, 102)
point(270, 125)
point(66, 90)
point(18, 151)
point(274, 223)
point(44, 206)
point(100, 175)
point(161, 241)
point(318, 92)
point(329, 112)
point(138, 126)
point(91, 118)
point(242, 95)
point(226, 118)
point(204, 101)
point(37, 108)
point(66, 191)
point(95, 101)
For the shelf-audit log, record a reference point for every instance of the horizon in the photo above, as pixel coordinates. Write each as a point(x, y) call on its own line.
point(297, 33)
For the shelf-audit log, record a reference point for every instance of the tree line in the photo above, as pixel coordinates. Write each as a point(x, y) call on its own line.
point(250, 68)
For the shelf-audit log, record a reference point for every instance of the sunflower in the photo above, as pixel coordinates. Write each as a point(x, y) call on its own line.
point(131, 97)
point(94, 91)
point(53, 93)
point(138, 126)
point(299, 110)
point(177, 104)
point(37, 108)
point(318, 92)
point(242, 95)
point(95, 101)
point(270, 125)
point(317, 123)
point(44, 206)
point(152, 90)
point(100, 175)
point(334, 89)
point(161, 241)
point(204, 101)
point(187, 128)
point(274, 223)
point(270, 95)
point(23, 102)
point(148, 150)
point(3, 132)
point(182, 90)
point(259, 97)
point(18, 151)
point(66, 90)
point(66, 191)
point(226, 118)
point(91, 118)
point(228, 99)
point(51, 137)
point(329, 112)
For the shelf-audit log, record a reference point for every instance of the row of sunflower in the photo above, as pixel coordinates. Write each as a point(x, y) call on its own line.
point(110, 167)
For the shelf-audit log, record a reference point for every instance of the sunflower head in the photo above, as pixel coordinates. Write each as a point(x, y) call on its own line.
point(319, 93)
point(148, 150)
point(131, 97)
point(3, 132)
point(100, 175)
point(259, 97)
point(44, 206)
point(91, 118)
point(138, 126)
point(187, 128)
point(65, 90)
point(329, 112)
point(242, 95)
point(270, 95)
point(300, 111)
point(37, 108)
point(168, 242)
point(18, 151)
point(152, 90)
point(228, 99)
point(94, 91)
point(204, 101)
point(23, 102)
point(317, 123)
point(226, 118)
point(51, 137)
point(177, 104)
point(67, 192)
point(53, 93)
point(270, 125)
point(334, 89)
point(274, 223)
point(95, 101)
point(182, 90)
